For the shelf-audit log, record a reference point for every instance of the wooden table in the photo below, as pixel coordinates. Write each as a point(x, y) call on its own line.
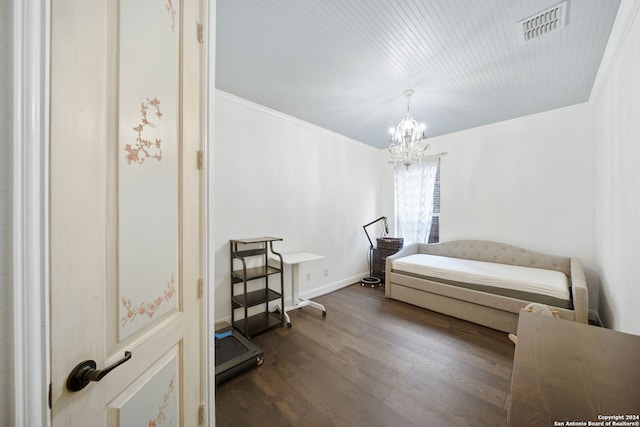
point(567, 371)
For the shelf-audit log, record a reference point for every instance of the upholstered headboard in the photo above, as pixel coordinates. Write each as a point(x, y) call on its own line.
point(483, 250)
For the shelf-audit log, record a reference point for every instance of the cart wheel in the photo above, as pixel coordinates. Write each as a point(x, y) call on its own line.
point(324, 313)
point(289, 325)
point(259, 361)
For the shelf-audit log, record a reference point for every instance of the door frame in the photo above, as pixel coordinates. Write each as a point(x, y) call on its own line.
point(30, 212)
point(209, 84)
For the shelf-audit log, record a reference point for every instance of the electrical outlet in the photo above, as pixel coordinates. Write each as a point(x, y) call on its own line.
point(326, 272)
point(308, 276)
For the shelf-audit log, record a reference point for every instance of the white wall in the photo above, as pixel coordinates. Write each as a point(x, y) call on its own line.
point(278, 176)
point(5, 211)
point(527, 182)
point(618, 186)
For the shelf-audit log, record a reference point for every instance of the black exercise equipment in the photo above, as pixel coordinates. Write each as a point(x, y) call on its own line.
point(234, 354)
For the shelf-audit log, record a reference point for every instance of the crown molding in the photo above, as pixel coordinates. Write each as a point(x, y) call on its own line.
point(628, 12)
point(282, 116)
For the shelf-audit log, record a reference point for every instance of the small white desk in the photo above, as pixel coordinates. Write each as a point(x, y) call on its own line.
point(294, 260)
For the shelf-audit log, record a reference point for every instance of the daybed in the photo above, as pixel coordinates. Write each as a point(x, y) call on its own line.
point(486, 282)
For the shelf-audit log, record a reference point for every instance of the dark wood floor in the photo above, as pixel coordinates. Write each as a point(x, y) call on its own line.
point(372, 362)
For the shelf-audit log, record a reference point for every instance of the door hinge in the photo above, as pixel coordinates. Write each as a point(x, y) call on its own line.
point(201, 414)
point(200, 33)
point(200, 287)
point(200, 159)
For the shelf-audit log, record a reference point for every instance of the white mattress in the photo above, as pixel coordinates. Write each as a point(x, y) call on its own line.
point(526, 279)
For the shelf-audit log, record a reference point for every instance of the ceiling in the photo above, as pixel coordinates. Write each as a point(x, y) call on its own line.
point(344, 64)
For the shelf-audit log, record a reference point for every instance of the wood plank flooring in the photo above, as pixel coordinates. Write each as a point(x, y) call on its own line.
point(372, 362)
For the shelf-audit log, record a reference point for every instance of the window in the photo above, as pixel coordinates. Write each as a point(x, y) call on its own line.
point(434, 235)
point(415, 196)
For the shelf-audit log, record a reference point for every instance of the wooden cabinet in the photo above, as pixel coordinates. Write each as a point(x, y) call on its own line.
point(254, 285)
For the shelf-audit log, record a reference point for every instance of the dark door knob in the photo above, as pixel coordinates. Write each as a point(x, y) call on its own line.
point(86, 371)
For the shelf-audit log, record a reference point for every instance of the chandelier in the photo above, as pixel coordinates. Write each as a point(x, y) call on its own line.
point(408, 142)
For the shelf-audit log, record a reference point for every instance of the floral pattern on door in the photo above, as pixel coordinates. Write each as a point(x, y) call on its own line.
point(148, 105)
point(172, 13)
point(161, 418)
point(148, 308)
point(143, 148)
point(152, 400)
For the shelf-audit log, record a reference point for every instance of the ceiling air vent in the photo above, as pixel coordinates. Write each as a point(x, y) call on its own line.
point(542, 23)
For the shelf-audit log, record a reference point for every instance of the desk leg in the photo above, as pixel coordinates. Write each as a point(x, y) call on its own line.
point(294, 284)
point(298, 302)
point(284, 311)
point(287, 319)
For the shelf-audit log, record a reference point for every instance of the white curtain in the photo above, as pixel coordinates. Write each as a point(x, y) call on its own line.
point(414, 199)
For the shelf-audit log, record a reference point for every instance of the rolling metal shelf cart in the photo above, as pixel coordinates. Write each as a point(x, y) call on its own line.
point(244, 253)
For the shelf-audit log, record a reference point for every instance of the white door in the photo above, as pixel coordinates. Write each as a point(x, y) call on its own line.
point(125, 239)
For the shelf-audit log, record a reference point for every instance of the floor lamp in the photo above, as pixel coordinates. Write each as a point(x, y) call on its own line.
point(373, 281)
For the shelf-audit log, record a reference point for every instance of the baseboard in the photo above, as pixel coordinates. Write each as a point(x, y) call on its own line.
point(314, 293)
point(332, 287)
